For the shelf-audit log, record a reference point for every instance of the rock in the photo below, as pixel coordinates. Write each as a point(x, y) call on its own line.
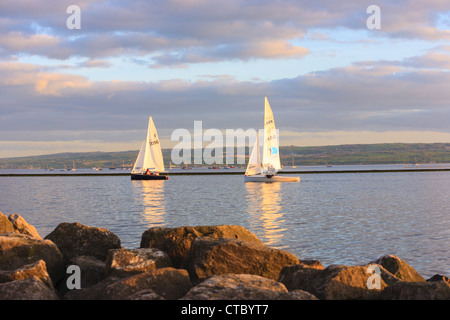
point(288, 272)
point(399, 268)
point(335, 282)
point(176, 242)
point(36, 269)
point(403, 290)
point(125, 262)
point(145, 295)
point(27, 289)
point(92, 270)
point(297, 295)
point(75, 239)
point(168, 283)
point(236, 287)
point(214, 256)
point(21, 226)
point(5, 224)
point(18, 250)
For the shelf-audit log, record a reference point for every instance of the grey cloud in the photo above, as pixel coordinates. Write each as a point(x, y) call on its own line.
point(180, 32)
point(357, 97)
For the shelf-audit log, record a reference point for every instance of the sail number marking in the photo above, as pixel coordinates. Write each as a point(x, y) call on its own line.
point(151, 143)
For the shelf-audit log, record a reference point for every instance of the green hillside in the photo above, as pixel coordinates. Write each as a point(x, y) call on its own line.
point(335, 155)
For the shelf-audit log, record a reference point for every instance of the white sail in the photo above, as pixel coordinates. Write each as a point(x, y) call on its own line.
point(153, 159)
point(254, 162)
point(271, 155)
point(139, 164)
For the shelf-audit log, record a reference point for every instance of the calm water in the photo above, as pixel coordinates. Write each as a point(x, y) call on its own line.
point(345, 218)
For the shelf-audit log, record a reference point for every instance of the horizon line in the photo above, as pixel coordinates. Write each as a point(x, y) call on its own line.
point(282, 146)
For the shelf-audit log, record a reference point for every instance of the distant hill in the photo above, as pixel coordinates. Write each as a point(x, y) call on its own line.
point(385, 153)
point(335, 155)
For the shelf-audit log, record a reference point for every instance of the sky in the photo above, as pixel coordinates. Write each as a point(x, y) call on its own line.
point(329, 78)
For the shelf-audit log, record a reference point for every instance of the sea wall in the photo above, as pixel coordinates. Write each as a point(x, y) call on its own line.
point(224, 262)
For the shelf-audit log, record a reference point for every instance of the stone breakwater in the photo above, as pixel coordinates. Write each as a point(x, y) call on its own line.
point(224, 262)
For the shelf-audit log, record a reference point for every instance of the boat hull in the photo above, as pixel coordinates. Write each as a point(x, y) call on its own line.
point(149, 177)
point(275, 178)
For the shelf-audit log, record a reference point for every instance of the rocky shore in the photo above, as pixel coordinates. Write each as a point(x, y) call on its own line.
point(225, 262)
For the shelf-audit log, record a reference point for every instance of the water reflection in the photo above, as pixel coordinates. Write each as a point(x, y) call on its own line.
point(265, 209)
point(153, 201)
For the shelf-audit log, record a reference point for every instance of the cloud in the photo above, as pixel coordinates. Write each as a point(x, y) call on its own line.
point(363, 96)
point(438, 58)
point(95, 64)
point(43, 83)
point(201, 31)
point(415, 19)
point(259, 50)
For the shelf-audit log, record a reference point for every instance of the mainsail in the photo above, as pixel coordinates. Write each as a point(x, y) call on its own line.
point(271, 155)
point(153, 155)
point(150, 156)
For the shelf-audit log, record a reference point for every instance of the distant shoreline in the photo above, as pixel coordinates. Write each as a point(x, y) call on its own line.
point(350, 154)
point(219, 173)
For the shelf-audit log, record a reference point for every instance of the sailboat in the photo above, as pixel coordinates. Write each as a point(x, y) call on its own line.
point(265, 170)
point(149, 164)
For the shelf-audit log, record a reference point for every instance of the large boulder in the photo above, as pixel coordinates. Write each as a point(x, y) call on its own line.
point(399, 268)
point(165, 283)
point(18, 250)
point(27, 289)
point(36, 269)
point(236, 287)
point(75, 239)
point(176, 242)
point(214, 256)
point(16, 223)
point(126, 262)
point(336, 282)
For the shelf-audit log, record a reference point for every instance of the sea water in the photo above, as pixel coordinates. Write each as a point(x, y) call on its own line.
point(336, 218)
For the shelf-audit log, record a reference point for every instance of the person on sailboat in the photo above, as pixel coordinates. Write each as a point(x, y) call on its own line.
point(271, 171)
point(148, 172)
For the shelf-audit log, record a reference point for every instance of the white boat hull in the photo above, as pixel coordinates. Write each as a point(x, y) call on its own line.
point(275, 178)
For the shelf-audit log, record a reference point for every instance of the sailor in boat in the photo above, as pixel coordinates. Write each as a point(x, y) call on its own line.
point(148, 172)
point(271, 171)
